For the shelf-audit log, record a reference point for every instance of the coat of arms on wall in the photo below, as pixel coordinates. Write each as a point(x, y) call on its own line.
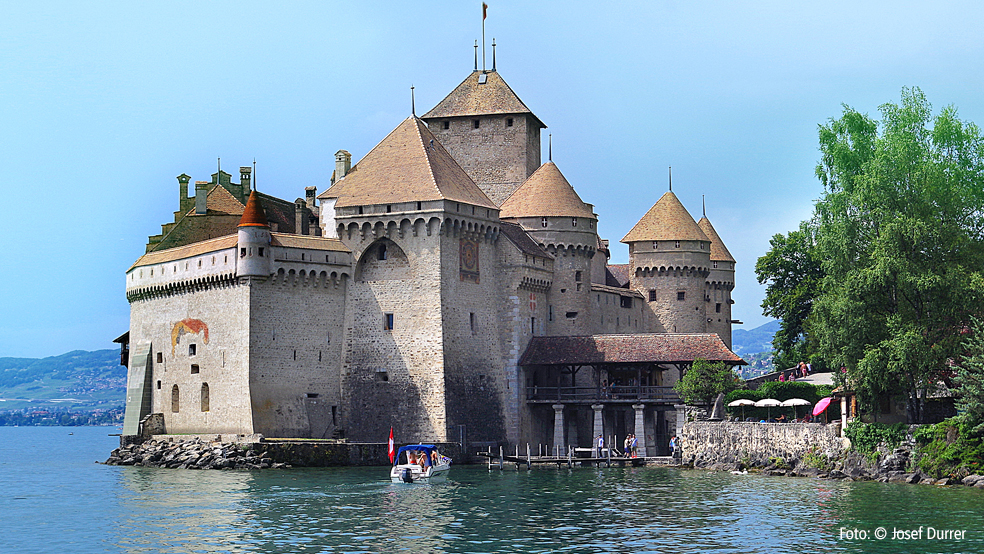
point(468, 260)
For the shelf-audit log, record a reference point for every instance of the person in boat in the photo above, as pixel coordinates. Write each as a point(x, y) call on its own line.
point(435, 460)
point(422, 460)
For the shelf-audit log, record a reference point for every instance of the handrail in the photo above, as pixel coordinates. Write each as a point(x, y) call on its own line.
point(601, 394)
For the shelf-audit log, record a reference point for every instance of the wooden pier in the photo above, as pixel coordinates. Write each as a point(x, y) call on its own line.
point(570, 459)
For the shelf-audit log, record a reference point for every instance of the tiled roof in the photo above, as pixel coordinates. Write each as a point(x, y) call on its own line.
point(666, 220)
point(222, 201)
point(307, 241)
point(253, 214)
point(719, 252)
point(518, 236)
point(617, 275)
point(471, 98)
point(545, 193)
point(408, 165)
point(187, 251)
point(653, 348)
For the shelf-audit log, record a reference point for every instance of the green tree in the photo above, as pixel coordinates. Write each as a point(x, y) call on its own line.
point(898, 231)
point(970, 382)
point(792, 274)
point(704, 380)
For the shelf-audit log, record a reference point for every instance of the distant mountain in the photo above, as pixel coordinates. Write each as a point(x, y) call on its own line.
point(77, 380)
point(753, 341)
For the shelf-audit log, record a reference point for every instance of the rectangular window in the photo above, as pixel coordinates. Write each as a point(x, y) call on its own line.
point(717, 307)
point(447, 124)
point(678, 244)
point(681, 295)
point(388, 322)
point(577, 276)
point(475, 123)
point(715, 264)
point(626, 301)
point(195, 369)
point(242, 254)
point(652, 295)
point(160, 357)
point(573, 222)
point(192, 349)
point(509, 122)
point(579, 286)
point(382, 376)
point(543, 222)
point(533, 325)
point(471, 321)
point(550, 312)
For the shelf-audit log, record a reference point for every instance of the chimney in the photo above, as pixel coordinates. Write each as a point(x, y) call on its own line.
point(184, 203)
point(309, 197)
point(244, 177)
point(343, 163)
point(299, 221)
point(201, 194)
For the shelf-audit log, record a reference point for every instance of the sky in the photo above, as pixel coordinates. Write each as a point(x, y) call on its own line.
point(103, 104)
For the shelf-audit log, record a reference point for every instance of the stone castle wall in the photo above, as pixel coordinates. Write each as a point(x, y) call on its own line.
point(218, 363)
point(498, 157)
point(296, 332)
point(717, 294)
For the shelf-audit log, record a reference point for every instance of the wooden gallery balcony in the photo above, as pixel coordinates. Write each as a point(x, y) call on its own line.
point(625, 369)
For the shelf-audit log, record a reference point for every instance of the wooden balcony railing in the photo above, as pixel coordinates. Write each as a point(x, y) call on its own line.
point(617, 393)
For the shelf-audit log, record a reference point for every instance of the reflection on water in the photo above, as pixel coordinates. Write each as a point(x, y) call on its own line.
point(56, 500)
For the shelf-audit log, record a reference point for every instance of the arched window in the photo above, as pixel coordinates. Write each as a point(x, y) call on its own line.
point(204, 397)
point(174, 399)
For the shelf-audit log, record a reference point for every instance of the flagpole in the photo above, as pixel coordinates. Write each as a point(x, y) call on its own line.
point(484, 7)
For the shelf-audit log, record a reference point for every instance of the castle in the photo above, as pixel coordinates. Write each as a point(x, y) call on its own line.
point(448, 285)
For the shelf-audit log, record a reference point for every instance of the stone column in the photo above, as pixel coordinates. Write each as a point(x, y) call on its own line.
point(640, 428)
point(558, 438)
point(681, 419)
point(599, 428)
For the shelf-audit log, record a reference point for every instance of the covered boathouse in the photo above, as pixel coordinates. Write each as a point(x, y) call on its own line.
point(627, 388)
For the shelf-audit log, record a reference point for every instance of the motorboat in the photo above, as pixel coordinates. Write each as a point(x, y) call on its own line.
point(419, 463)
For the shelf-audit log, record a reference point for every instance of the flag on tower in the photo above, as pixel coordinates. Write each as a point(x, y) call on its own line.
point(485, 9)
point(392, 451)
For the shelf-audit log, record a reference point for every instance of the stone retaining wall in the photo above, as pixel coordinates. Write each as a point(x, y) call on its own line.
point(708, 444)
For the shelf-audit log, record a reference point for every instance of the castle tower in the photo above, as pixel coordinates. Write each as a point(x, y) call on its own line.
point(549, 209)
point(254, 241)
point(669, 261)
point(720, 282)
point(488, 130)
point(421, 345)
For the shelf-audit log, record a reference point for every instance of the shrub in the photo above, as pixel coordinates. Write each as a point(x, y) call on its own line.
point(865, 437)
point(948, 449)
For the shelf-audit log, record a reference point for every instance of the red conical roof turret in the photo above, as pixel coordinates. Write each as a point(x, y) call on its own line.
point(253, 215)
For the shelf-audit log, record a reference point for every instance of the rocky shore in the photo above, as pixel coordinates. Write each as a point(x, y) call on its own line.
point(194, 454)
point(889, 467)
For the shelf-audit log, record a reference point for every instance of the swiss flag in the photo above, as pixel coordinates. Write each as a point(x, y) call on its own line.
point(392, 451)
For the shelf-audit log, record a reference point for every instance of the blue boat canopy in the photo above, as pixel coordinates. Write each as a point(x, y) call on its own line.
point(425, 448)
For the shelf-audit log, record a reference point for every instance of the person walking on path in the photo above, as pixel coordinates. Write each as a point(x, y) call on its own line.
point(601, 445)
point(634, 445)
point(627, 446)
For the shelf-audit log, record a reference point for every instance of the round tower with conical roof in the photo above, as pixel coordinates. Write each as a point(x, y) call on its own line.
point(719, 284)
point(669, 262)
point(254, 241)
point(551, 212)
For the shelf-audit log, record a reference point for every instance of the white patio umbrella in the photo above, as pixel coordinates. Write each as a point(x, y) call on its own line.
point(793, 402)
point(768, 403)
point(741, 402)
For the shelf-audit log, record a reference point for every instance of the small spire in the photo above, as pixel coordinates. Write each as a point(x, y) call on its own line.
point(671, 178)
point(476, 54)
point(254, 173)
point(218, 173)
point(703, 205)
point(493, 53)
point(413, 109)
point(550, 147)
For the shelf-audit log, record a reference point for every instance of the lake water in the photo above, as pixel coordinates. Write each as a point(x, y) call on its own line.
point(55, 499)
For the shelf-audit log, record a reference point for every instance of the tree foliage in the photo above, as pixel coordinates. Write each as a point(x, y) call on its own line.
point(792, 274)
point(899, 235)
point(704, 381)
point(969, 380)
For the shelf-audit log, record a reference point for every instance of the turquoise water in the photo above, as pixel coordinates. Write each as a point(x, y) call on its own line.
point(55, 499)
